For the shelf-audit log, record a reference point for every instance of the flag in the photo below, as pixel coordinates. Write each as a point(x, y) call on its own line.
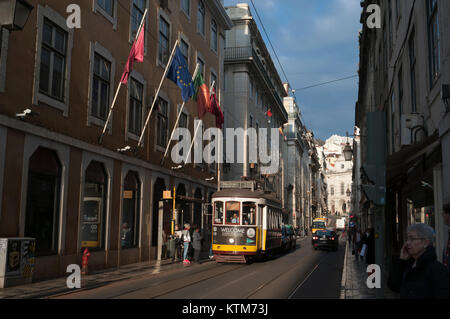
point(216, 110)
point(201, 95)
point(136, 54)
point(179, 73)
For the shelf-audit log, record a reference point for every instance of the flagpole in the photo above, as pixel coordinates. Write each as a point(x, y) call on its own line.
point(176, 123)
point(198, 126)
point(157, 92)
point(100, 140)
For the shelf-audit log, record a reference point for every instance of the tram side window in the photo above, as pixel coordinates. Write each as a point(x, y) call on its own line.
point(249, 213)
point(232, 213)
point(218, 212)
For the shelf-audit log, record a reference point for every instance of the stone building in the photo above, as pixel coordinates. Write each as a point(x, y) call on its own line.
point(57, 183)
point(338, 175)
point(404, 66)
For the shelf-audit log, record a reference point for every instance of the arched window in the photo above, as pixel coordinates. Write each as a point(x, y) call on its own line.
point(129, 233)
point(43, 200)
point(93, 219)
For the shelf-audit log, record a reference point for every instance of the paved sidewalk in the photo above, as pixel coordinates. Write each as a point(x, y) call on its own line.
point(354, 278)
point(96, 279)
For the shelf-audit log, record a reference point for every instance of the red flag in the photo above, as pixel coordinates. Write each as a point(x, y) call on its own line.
point(136, 54)
point(216, 110)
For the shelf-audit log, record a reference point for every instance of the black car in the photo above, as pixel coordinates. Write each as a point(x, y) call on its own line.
point(325, 239)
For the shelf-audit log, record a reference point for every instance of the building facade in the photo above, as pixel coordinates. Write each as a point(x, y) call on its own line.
point(338, 175)
point(403, 68)
point(57, 184)
point(252, 89)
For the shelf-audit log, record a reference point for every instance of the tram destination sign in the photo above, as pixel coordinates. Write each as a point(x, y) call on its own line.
point(234, 236)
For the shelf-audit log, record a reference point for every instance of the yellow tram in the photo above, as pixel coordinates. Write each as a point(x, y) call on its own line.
point(247, 223)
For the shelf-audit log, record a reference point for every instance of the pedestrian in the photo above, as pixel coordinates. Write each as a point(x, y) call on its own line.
point(178, 243)
point(186, 238)
point(357, 239)
point(370, 242)
point(446, 214)
point(417, 274)
point(197, 244)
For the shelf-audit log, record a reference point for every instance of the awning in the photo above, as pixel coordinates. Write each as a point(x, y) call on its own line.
point(398, 163)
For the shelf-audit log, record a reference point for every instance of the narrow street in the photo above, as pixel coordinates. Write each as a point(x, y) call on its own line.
point(300, 273)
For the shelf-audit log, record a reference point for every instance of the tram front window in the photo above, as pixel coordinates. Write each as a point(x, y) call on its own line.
point(218, 212)
point(249, 213)
point(232, 213)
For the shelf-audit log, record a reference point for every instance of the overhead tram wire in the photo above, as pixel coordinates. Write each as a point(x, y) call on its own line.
point(328, 82)
point(270, 42)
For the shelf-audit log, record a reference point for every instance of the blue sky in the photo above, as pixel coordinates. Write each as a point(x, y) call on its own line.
point(316, 41)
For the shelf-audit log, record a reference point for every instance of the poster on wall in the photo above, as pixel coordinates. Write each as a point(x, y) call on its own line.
point(28, 258)
point(90, 227)
point(13, 262)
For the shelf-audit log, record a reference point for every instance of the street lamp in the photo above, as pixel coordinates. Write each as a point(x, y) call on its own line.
point(348, 192)
point(14, 14)
point(348, 153)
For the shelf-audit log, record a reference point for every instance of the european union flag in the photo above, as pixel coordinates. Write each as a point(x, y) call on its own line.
point(179, 73)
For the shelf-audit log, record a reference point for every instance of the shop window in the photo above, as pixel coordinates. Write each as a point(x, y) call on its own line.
point(43, 201)
point(94, 207)
point(129, 235)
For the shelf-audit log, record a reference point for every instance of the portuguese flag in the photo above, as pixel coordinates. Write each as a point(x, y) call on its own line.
point(201, 95)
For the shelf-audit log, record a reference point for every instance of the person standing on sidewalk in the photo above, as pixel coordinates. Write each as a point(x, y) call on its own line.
point(197, 244)
point(186, 238)
point(446, 258)
point(417, 274)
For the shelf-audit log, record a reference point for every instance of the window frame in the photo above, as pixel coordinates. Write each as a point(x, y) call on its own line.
point(131, 36)
point(159, 147)
point(226, 210)
point(4, 40)
point(47, 13)
point(97, 48)
point(216, 33)
point(412, 70)
point(142, 83)
point(164, 18)
point(111, 18)
point(214, 213)
point(433, 48)
point(182, 8)
point(201, 7)
point(139, 201)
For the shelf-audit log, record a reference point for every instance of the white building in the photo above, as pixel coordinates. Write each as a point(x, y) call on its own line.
point(338, 175)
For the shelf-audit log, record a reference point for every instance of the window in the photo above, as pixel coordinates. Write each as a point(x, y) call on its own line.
point(101, 82)
point(434, 40)
point(129, 233)
point(94, 206)
point(163, 50)
point(186, 7)
point(412, 71)
point(201, 67)
point(342, 188)
point(135, 110)
point(107, 6)
point(250, 123)
point(184, 47)
point(213, 79)
point(43, 201)
point(4, 39)
point(233, 213)
point(53, 61)
point(249, 213)
point(137, 12)
point(162, 123)
point(214, 35)
point(201, 18)
point(332, 191)
point(218, 213)
point(183, 122)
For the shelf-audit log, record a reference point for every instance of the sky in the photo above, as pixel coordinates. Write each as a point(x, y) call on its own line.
point(316, 41)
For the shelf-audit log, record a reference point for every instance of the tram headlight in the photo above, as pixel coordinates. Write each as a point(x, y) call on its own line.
point(231, 240)
point(251, 233)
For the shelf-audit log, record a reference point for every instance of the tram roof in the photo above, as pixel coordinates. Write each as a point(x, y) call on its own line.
point(246, 193)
